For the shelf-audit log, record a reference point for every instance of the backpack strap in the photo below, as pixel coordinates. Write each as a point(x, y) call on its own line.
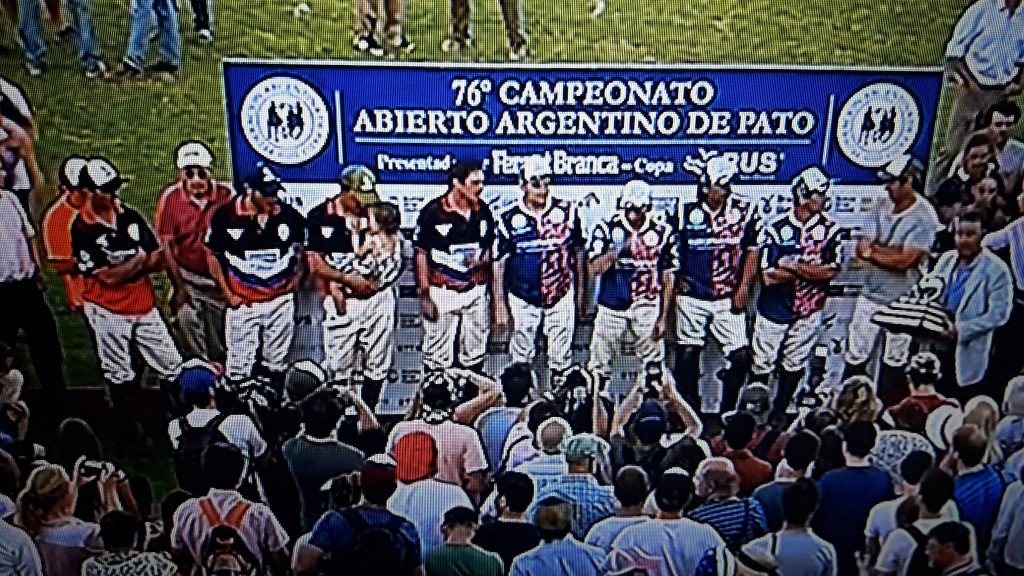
point(355, 520)
point(919, 537)
point(216, 421)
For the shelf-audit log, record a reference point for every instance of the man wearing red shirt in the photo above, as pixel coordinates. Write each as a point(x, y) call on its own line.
point(116, 251)
point(182, 218)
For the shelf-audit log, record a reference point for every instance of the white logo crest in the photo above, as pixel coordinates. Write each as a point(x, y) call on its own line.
point(443, 229)
point(877, 124)
point(235, 233)
point(285, 120)
point(133, 232)
point(557, 215)
point(327, 231)
point(651, 238)
point(696, 217)
point(518, 221)
point(786, 233)
point(283, 232)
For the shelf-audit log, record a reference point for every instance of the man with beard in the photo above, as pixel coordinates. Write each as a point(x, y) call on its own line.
point(183, 215)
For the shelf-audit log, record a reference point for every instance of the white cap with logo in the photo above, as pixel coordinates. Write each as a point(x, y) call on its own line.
point(536, 166)
point(193, 153)
point(814, 178)
point(721, 170)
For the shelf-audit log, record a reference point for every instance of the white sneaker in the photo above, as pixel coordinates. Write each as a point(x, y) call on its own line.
point(205, 36)
point(34, 69)
point(98, 69)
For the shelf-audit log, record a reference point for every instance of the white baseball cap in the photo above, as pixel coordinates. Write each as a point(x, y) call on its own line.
point(721, 170)
point(536, 166)
point(193, 153)
point(71, 171)
point(942, 423)
point(100, 175)
point(814, 178)
point(900, 167)
point(635, 194)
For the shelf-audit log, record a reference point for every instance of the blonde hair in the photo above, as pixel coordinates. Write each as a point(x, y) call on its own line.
point(984, 414)
point(856, 401)
point(47, 487)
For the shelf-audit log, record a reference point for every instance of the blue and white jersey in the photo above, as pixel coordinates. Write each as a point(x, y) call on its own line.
point(643, 255)
point(541, 250)
point(816, 241)
point(711, 244)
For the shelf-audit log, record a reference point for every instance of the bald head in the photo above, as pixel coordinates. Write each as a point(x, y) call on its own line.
point(552, 434)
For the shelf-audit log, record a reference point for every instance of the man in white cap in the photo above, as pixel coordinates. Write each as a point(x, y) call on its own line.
point(716, 260)
point(631, 255)
point(893, 251)
point(183, 215)
point(539, 274)
point(800, 255)
point(116, 251)
point(255, 256)
point(56, 225)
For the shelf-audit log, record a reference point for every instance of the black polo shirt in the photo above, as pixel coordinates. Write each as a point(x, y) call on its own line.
point(327, 234)
point(450, 240)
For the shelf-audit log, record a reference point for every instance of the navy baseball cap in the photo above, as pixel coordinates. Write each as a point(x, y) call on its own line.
point(651, 422)
point(264, 181)
point(196, 384)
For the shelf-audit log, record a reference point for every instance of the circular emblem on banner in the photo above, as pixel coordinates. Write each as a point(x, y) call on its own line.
point(285, 120)
point(877, 124)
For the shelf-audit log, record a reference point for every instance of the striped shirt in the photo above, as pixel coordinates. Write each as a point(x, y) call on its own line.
point(737, 520)
point(978, 494)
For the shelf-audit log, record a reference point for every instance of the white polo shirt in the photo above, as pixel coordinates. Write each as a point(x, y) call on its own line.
point(990, 40)
point(15, 234)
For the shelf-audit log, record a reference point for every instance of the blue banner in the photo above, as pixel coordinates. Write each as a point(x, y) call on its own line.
point(596, 125)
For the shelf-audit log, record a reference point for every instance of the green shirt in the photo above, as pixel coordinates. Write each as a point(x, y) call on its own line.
point(463, 560)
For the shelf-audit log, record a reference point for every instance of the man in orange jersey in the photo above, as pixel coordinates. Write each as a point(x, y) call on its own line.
point(183, 215)
point(56, 226)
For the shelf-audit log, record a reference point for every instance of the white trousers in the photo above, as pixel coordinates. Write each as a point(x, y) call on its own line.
point(460, 315)
point(793, 342)
point(116, 333)
point(863, 335)
point(695, 318)
point(557, 322)
point(610, 326)
point(367, 326)
point(266, 327)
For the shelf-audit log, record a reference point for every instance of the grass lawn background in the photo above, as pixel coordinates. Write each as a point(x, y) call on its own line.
point(137, 124)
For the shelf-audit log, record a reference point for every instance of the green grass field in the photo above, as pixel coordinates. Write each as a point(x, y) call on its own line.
point(137, 124)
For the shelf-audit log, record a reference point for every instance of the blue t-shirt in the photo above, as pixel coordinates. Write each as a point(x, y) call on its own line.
point(977, 495)
point(541, 250)
point(816, 241)
point(847, 496)
point(333, 533)
point(710, 247)
point(957, 284)
point(643, 255)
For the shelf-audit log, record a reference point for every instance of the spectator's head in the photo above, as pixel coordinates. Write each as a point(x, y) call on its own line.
point(859, 439)
point(716, 477)
point(170, 504)
point(415, 457)
point(948, 545)
point(801, 450)
point(830, 453)
point(983, 412)
point(357, 179)
point(197, 384)
point(103, 182)
point(675, 488)
point(584, 451)
point(119, 530)
point(539, 413)
point(631, 486)
point(68, 181)
point(76, 439)
point(820, 419)
point(516, 384)
point(716, 181)
point(10, 476)
point(799, 501)
point(302, 379)
point(193, 160)
point(856, 401)
point(650, 422)
point(936, 490)
point(1001, 120)
point(756, 400)
point(970, 445)
point(377, 479)
point(635, 199)
point(460, 523)
point(466, 178)
point(320, 414)
point(923, 371)
point(902, 177)
point(262, 186)
point(439, 396)
point(514, 491)
point(552, 435)
point(914, 466)
point(384, 218)
point(739, 430)
point(554, 518)
point(811, 189)
point(48, 495)
point(978, 152)
point(223, 465)
point(1013, 398)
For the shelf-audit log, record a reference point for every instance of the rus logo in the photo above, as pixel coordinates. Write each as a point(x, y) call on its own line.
point(285, 120)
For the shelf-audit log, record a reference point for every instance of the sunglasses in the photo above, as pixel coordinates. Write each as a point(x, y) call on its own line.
point(198, 173)
point(538, 181)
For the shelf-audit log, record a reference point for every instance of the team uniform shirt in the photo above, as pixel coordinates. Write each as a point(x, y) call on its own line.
point(97, 245)
point(711, 246)
point(540, 249)
point(186, 221)
point(451, 242)
point(816, 241)
point(56, 226)
point(259, 261)
point(636, 276)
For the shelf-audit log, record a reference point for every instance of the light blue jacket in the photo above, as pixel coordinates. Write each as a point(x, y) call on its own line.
point(986, 304)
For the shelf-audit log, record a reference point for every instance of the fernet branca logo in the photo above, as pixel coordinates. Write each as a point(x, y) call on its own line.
point(285, 120)
point(877, 124)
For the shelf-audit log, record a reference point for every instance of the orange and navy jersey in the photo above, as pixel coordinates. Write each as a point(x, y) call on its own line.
point(259, 261)
point(56, 226)
point(98, 245)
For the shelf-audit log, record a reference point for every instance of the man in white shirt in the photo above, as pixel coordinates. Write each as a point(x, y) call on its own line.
point(1008, 244)
point(631, 490)
point(983, 65)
